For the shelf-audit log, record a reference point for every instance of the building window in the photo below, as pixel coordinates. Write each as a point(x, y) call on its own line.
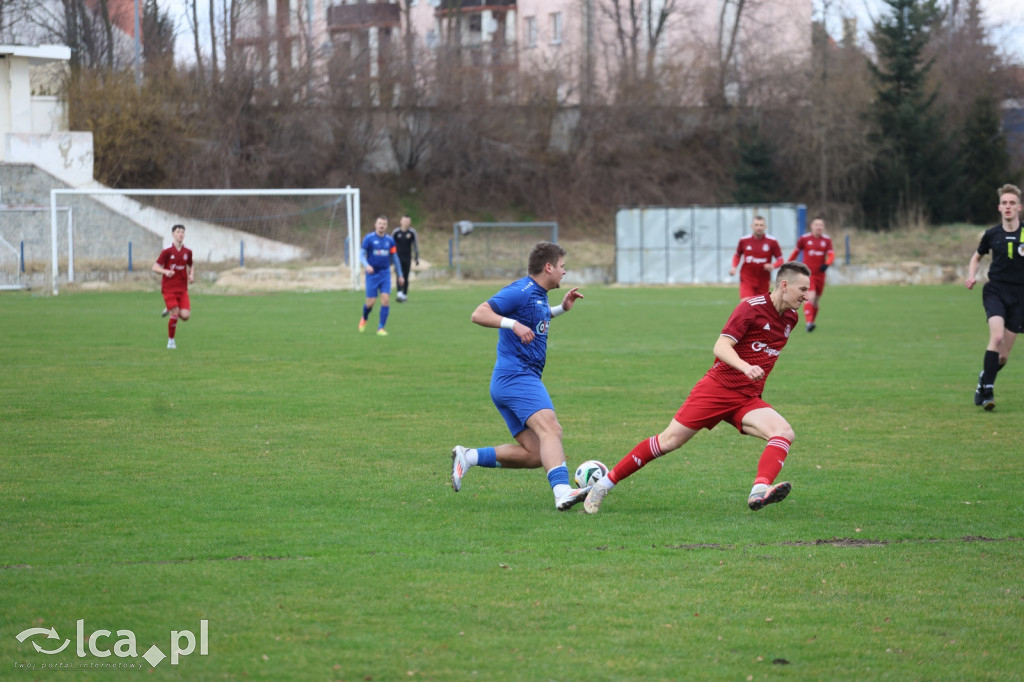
point(475, 23)
point(556, 28)
point(531, 31)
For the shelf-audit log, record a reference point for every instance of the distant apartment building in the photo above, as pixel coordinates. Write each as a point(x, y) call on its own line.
point(584, 45)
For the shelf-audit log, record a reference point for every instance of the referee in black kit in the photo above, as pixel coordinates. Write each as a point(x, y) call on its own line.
point(1003, 295)
point(408, 249)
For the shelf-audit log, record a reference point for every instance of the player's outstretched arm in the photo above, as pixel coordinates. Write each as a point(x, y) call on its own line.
point(485, 316)
point(570, 298)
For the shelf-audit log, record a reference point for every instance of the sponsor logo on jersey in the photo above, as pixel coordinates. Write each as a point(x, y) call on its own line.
point(761, 347)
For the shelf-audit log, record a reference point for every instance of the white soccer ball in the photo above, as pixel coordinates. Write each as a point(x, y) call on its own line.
point(590, 472)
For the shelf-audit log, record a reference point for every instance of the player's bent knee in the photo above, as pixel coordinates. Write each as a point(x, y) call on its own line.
point(184, 314)
point(786, 432)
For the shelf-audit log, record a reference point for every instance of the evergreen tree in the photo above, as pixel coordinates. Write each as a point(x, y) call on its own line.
point(755, 175)
point(912, 173)
point(986, 161)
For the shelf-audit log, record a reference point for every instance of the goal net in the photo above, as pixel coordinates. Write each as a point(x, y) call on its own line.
point(496, 250)
point(112, 230)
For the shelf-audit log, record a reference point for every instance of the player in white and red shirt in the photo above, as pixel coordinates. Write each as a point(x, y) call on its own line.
point(730, 391)
point(756, 256)
point(175, 266)
point(818, 255)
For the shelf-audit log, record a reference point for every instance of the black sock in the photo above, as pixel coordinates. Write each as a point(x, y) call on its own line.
point(991, 367)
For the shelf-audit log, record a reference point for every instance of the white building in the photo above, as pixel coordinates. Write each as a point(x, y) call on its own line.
point(33, 118)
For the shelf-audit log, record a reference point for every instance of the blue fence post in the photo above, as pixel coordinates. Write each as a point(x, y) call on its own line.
point(23, 256)
point(241, 254)
point(129, 256)
point(450, 251)
point(847, 249)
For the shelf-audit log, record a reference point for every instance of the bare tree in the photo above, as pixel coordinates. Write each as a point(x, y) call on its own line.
point(193, 20)
point(639, 27)
point(213, 43)
point(729, 17)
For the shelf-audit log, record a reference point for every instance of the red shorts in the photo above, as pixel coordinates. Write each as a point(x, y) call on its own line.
point(817, 283)
point(751, 289)
point(710, 403)
point(176, 299)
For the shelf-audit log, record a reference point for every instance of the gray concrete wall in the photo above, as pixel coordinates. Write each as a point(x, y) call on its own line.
point(110, 232)
point(100, 233)
point(104, 243)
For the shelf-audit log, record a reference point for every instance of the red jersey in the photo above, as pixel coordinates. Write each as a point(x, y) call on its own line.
point(179, 260)
point(753, 253)
point(817, 251)
point(760, 333)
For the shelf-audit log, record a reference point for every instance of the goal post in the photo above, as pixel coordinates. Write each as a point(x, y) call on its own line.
point(496, 250)
point(275, 225)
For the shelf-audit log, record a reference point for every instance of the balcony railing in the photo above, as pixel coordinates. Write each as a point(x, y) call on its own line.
point(341, 17)
point(462, 5)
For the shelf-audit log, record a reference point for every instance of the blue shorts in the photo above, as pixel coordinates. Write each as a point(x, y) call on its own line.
point(378, 283)
point(518, 397)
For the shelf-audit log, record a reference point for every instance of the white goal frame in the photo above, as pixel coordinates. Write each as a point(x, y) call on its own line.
point(352, 209)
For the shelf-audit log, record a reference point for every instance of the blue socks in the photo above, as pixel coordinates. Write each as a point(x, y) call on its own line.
point(558, 476)
point(487, 457)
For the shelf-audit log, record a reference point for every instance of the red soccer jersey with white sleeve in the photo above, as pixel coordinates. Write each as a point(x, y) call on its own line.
point(753, 254)
point(817, 250)
point(178, 260)
point(760, 333)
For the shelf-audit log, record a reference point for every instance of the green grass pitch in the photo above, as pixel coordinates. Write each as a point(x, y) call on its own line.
point(285, 479)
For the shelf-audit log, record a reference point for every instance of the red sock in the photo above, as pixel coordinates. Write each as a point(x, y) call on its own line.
point(644, 452)
point(770, 464)
point(809, 311)
point(172, 324)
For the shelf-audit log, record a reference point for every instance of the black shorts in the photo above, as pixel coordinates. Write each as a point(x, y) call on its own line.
point(1005, 301)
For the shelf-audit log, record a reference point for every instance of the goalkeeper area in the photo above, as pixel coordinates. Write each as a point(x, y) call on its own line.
point(97, 234)
point(496, 250)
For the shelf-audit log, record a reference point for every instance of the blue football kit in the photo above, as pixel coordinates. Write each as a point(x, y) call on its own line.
point(516, 387)
point(379, 253)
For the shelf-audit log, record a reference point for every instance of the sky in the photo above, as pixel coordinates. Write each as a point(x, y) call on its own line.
point(1005, 19)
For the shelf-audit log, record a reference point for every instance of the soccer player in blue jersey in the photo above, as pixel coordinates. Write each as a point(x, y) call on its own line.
point(522, 314)
point(377, 254)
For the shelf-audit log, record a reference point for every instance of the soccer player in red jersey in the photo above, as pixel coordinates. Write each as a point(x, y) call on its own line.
point(818, 255)
point(730, 391)
point(756, 256)
point(175, 266)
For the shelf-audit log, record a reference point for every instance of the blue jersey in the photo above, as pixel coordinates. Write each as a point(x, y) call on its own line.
point(526, 302)
point(379, 252)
